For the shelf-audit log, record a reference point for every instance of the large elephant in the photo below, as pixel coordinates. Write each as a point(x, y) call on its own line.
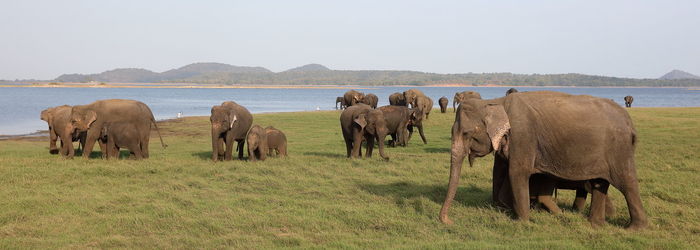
point(397, 99)
point(371, 100)
point(353, 97)
point(58, 119)
point(550, 133)
point(443, 101)
point(229, 122)
point(628, 101)
point(424, 104)
point(411, 95)
point(257, 143)
point(121, 135)
point(461, 96)
point(340, 100)
point(92, 117)
point(360, 122)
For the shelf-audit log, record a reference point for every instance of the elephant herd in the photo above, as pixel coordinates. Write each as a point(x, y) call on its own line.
point(541, 141)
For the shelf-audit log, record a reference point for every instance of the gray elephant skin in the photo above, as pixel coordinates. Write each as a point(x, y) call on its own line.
point(397, 99)
point(360, 122)
point(276, 141)
point(60, 128)
point(397, 119)
point(92, 117)
point(229, 122)
point(257, 143)
point(545, 132)
point(628, 101)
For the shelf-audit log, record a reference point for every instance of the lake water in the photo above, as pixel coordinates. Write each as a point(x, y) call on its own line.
point(21, 107)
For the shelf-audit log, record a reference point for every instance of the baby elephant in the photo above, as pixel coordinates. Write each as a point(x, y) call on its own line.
point(121, 135)
point(276, 141)
point(257, 143)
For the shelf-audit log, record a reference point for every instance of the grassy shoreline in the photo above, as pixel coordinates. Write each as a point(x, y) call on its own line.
point(318, 198)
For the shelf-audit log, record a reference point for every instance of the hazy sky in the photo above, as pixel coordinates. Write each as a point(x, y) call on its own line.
point(644, 39)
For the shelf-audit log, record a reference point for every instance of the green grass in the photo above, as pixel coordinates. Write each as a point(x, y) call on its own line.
point(318, 198)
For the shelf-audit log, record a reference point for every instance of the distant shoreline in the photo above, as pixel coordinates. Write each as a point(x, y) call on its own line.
point(252, 86)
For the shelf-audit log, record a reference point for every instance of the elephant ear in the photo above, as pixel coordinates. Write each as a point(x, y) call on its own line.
point(233, 118)
point(90, 117)
point(361, 120)
point(497, 124)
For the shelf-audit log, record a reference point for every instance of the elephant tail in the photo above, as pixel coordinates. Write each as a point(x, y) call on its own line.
point(158, 131)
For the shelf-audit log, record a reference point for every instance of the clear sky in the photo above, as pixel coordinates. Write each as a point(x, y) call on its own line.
point(642, 39)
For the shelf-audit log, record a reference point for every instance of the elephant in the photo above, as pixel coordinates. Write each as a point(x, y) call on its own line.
point(92, 117)
point(276, 141)
point(340, 100)
point(549, 133)
point(628, 101)
point(397, 99)
point(416, 120)
point(58, 119)
point(424, 104)
point(397, 119)
point(443, 101)
point(118, 135)
point(229, 122)
point(410, 96)
point(360, 122)
point(371, 100)
point(257, 143)
point(461, 96)
point(353, 97)
point(511, 91)
point(541, 188)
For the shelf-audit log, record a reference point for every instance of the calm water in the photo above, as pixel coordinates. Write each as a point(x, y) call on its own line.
point(21, 107)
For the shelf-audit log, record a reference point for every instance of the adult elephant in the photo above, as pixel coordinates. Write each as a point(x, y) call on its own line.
point(424, 104)
point(549, 133)
point(229, 122)
point(511, 91)
point(353, 97)
point(92, 117)
point(360, 122)
point(461, 96)
point(58, 119)
point(628, 101)
point(443, 101)
point(340, 100)
point(371, 100)
point(411, 95)
point(397, 99)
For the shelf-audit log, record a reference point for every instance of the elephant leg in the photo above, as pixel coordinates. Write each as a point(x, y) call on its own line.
point(241, 148)
point(598, 193)
point(422, 136)
point(393, 140)
point(630, 189)
point(370, 145)
point(92, 135)
point(348, 147)
point(137, 151)
point(544, 195)
point(580, 201)
point(251, 153)
point(356, 145)
point(228, 153)
point(283, 150)
point(609, 207)
point(53, 149)
point(519, 181)
point(500, 175)
point(67, 147)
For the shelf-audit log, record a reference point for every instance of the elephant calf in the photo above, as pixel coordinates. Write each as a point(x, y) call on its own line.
point(276, 141)
point(443, 101)
point(360, 122)
point(118, 135)
point(257, 143)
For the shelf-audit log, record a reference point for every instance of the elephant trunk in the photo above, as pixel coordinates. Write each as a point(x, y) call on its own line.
point(456, 161)
point(380, 141)
point(215, 142)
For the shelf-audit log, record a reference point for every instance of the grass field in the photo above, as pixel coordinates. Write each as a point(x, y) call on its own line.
point(317, 198)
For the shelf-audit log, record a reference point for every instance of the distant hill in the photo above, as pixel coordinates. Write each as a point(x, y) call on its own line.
point(677, 75)
point(309, 68)
point(315, 74)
